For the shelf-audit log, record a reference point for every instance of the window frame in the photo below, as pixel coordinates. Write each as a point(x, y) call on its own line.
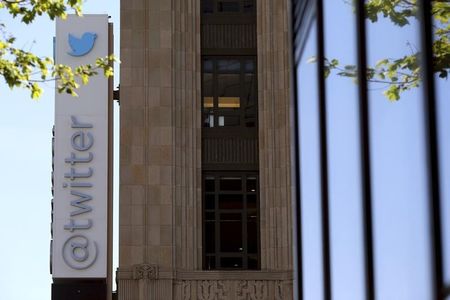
point(241, 129)
point(244, 211)
point(215, 11)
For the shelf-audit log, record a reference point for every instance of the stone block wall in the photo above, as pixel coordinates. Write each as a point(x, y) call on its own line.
point(160, 236)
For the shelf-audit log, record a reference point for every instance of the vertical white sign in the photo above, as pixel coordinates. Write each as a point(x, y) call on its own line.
point(79, 248)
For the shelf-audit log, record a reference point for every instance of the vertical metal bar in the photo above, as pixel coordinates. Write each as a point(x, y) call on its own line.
point(446, 292)
point(323, 153)
point(365, 150)
point(432, 147)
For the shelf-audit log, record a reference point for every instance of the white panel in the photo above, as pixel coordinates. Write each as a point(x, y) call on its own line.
point(81, 131)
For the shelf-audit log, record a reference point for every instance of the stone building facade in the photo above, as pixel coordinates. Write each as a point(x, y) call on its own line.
point(161, 236)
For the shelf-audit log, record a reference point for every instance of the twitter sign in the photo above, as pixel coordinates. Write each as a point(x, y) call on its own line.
point(83, 45)
point(81, 177)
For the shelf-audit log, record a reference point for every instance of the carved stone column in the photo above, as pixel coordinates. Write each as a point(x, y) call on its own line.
point(274, 134)
point(186, 76)
point(160, 200)
point(147, 162)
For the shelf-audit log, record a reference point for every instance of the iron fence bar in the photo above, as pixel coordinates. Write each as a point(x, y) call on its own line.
point(323, 153)
point(364, 122)
point(446, 291)
point(432, 147)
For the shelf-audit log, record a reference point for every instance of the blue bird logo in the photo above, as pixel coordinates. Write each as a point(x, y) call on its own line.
point(83, 45)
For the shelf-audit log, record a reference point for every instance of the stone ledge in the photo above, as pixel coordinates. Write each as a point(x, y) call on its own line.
point(148, 271)
point(234, 275)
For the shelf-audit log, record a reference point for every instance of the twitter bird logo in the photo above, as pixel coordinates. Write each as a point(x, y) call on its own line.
point(81, 46)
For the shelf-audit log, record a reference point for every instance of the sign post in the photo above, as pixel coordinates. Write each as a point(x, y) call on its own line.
point(80, 228)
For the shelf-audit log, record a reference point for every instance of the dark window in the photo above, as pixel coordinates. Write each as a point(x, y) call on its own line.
point(228, 6)
point(229, 92)
point(231, 237)
point(208, 6)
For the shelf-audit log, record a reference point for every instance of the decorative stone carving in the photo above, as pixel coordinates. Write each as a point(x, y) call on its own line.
point(145, 271)
point(186, 290)
point(252, 290)
point(279, 290)
point(212, 290)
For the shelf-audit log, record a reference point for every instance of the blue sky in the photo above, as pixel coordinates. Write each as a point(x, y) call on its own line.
point(25, 180)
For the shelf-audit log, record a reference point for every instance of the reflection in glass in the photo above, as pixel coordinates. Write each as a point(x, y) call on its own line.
point(251, 107)
point(399, 182)
point(230, 201)
point(229, 121)
point(210, 237)
point(228, 6)
point(208, 6)
point(231, 183)
point(229, 92)
point(209, 201)
point(249, 66)
point(251, 201)
point(249, 6)
point(210, 216)
point(229, 102)
point(208, 102)
point(310, 170)
point(228, 85)
point(252, 263)
point(210, 262)
point(209, 121)
point(231, 262)
point(207, 92)
point(207, 65)
point(251, 184)
point(346, 234)
point(228, 65)
point(252, 234)
point(231, 232)
point(209, 184)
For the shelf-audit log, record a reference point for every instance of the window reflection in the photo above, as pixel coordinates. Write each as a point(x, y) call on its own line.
point(399, 181)
point(209, 121)
point(251, 107)
point(208, 102)
point(310, 170)
point(345, 200)
point(228, 65)
point(228, 6)
point(229, 92)
point(208, 6)
point(229, 102)
point(398, 144)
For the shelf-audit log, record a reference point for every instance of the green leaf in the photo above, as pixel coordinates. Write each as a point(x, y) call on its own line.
point(393, 93)
point(36, 91)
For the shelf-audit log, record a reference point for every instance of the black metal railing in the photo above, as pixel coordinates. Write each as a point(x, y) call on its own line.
point(303, 12)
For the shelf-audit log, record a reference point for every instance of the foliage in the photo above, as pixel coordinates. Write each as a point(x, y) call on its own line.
point(21, 68)
point(402, 74)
